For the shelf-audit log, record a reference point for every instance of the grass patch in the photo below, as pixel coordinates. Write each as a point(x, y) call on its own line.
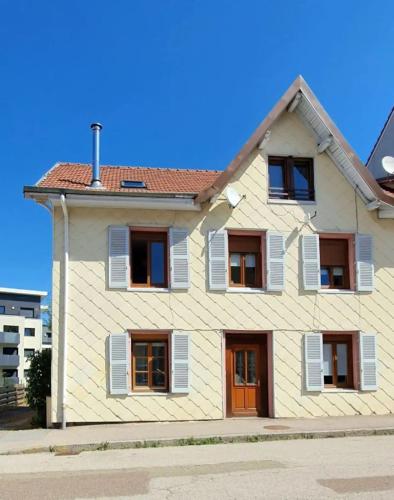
point(103, 446)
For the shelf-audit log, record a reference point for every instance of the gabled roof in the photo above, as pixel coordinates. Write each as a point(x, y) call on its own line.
point(202, 185)
point(391, 115)
point(300, 99)
point(78, 176)
point(384, 146)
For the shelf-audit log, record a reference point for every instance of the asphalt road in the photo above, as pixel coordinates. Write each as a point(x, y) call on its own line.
point(326, 468)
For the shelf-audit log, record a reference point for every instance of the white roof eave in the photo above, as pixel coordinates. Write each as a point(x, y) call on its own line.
point(21, 291)
point(311, 118)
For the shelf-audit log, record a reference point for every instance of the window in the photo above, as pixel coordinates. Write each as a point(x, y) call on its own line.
point(29, 352)
point(291, 178)
point(26, 373)
point(11, 329)
point(27, 312)
point(334, 263)
point(2, 309)
point(132, 184)
point(245, 261)
point(9, 372)
point(10, 351)
point(30, 332)
point(149, 363)
point(338, 361)
point(148, 258)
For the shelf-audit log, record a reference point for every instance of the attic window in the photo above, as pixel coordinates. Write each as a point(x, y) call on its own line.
point(291, 178)
point(132, 184)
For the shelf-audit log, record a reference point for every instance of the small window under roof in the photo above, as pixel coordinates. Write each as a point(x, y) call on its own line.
point(132, 184)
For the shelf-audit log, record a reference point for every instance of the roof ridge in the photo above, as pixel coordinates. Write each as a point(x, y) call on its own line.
point(141, 167)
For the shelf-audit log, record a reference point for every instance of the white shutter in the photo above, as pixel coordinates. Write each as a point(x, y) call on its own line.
point(118, 256)
point(218, 259)
point(180, 362)
point(313, 357)
point(364, 263)
point(368, 362)
point(311, 261)
point(275, 261)
point(179, 257)
point(119, 361)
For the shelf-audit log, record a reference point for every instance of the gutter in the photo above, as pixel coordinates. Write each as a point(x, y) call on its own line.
point(106, 199)
point(65, 308)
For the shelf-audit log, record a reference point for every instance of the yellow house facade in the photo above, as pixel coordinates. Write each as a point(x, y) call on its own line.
point(268, 292)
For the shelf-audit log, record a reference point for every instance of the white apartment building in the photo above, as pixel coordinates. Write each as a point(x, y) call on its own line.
point(21, 332)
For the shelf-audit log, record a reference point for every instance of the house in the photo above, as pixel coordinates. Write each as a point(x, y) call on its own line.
point(384, 146)
point(20, 332)
point(264, 289)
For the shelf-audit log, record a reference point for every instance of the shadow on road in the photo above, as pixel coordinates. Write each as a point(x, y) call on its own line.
point(16, 418)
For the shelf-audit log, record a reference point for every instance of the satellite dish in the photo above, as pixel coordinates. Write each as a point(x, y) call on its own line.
point(233, 197)
point(388, 164)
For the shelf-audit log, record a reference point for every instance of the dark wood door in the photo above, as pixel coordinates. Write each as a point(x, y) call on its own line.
point(244, 364)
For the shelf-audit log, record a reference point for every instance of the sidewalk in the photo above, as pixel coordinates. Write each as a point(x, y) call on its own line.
point(134, 435)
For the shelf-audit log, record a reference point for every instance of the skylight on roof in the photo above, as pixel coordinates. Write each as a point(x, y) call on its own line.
point(132, 184)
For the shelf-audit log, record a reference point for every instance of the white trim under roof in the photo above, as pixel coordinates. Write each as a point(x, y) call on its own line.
point(311, 118)
point(386, 212)
point(21, 291)
point(144, 202)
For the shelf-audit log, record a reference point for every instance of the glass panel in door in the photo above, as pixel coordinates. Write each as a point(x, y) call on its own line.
point(239, 368)
point(251, 377)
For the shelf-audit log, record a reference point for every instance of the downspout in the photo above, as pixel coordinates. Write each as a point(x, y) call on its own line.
point(65, 308)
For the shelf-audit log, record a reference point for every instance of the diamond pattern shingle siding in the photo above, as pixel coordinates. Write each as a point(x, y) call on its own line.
point(96, 311)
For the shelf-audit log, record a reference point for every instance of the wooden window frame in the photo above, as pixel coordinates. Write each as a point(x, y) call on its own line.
point(288, 163)
point(349, 274)
point(341, 338)
point(153, 234)
point(260, 260)
point(150, 338)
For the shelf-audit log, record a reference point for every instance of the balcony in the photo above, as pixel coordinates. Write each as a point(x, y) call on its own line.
point(9, 360)
point(9, 338)
point(46, 339)
point(8, 381)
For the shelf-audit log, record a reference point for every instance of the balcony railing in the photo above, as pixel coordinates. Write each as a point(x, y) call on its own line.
point(280, 193)
point(9, 360)
point(9, 338)
point(46, 340)
point(8, 381)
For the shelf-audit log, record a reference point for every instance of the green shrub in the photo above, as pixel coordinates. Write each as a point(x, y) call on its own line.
point(39, 382)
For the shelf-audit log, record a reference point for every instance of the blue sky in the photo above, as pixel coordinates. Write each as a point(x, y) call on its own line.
point(177, 83)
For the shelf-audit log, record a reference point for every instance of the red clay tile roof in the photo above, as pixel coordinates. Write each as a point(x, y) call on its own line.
point(77, 176)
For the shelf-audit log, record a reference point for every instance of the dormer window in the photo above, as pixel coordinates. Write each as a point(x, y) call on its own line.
point(291, 178)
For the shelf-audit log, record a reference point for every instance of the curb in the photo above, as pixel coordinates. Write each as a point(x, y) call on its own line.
point(75, 449)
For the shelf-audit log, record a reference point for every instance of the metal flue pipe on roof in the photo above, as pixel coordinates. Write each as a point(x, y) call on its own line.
point(96, 181)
